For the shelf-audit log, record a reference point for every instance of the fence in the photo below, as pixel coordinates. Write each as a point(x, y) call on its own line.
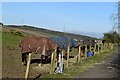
point(98, 49)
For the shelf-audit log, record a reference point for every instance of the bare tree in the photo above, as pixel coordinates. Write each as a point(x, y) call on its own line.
point(119, 17)
point(114, 18)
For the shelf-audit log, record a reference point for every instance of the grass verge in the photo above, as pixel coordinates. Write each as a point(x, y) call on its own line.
point(78, 68)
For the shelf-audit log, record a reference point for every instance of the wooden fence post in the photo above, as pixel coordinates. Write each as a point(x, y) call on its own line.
point(107, 47)
point(86, 51)
point(101, 47)
point(90, 48)
point(79, 54)
point(95, 49)
point(52, 60)
point(28, 66)
point(111, 46)
point(98, 48)
point(68, 52)
point(104, 47)
point(62, 67)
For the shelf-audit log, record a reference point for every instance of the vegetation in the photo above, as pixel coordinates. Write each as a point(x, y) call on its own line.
point(15, 32)
point(10, 39)
point(112, 37)
point(78, 68)
point(11, 57)
point(50, 32)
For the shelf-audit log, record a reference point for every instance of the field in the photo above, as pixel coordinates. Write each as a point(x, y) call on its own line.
point(11, 57)
point(12, 67)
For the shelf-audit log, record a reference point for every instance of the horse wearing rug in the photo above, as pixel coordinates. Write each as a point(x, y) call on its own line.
point(41, 45)
point(88, 43)
point(63, 42)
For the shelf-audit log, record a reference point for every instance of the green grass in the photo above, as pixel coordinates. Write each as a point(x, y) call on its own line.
point(9, 39)
point(11, 56)
point(0, 35)
point(77, 68)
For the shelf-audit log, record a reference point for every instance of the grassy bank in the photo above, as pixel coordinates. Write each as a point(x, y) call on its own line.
point(77, 68)
point(11, 57)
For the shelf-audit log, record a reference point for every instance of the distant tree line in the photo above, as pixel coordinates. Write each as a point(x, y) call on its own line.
point(112, 37)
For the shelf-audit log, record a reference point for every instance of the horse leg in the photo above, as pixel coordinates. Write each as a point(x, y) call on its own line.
point(46, 59)
point(40, 61)
point(40, 64)
point(24, 59)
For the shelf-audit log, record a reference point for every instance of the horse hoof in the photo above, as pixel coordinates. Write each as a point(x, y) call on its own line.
point(40, 65)
point(23, 64)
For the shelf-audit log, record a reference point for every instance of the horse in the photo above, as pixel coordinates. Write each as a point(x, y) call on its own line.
point(40, 45)
point(63, 42)
point(88, 43)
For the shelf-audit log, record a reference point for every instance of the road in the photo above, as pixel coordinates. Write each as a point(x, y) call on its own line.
point(109, 68)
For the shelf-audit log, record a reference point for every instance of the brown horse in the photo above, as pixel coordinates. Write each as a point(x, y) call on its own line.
point(41, 45)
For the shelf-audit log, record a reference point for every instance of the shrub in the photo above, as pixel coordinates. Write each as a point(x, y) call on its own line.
point(15, 32)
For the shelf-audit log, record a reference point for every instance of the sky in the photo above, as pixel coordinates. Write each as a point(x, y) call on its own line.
point(77, 17)
point(59, 0)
